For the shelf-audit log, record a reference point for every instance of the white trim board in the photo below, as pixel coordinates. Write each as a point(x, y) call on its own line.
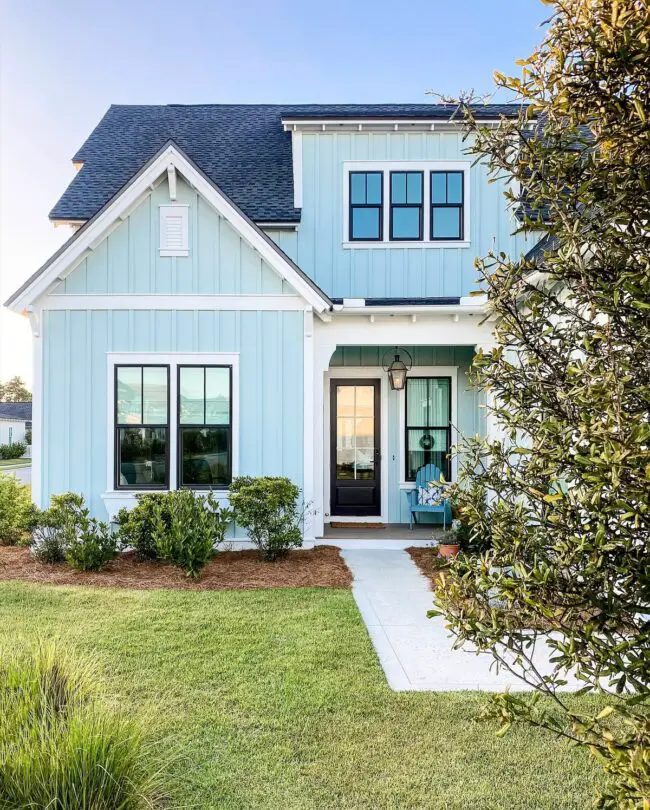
point(424, 166)
point(87, 238)
point(254, 302)
point(357, 372)
point(113, 498)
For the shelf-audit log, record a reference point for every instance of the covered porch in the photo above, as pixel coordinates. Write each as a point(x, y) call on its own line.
point(370, 440)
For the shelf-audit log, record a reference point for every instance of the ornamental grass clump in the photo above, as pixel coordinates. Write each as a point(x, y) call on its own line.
point(267, 507)
point(60, 748)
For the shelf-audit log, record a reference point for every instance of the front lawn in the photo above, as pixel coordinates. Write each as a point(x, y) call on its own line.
point(274, 699)
point(15, 462)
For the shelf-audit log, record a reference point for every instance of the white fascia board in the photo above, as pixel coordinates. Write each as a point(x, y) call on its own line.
point(394, 124)
point(431, 309)
point(130, 196)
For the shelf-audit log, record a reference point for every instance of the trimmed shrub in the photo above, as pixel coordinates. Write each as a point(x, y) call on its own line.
point(187, 528)
point(268, 509)
point(15, 450)
point(17, 512)
point(92, 547)
point(135, 526)
point(61, 749)
point(28, 437)
point(66, 531)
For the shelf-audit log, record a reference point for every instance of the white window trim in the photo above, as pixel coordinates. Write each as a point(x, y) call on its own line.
point(425, 166)
point(183, 210)
point(428, 371)
point(115, 498)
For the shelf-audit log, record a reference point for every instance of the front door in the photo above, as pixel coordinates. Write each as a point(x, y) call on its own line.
point(355, 462)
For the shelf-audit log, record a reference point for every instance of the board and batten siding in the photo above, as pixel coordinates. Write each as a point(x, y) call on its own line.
point(375, 272)
point(470, 415)
point(75, 399)
point(128, 260)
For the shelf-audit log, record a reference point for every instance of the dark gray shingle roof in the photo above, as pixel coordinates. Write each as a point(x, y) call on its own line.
point(16, 410)
point(240, 147)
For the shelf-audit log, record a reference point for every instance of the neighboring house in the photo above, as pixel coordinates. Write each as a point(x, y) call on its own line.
point(231, 298)
point(15, 420)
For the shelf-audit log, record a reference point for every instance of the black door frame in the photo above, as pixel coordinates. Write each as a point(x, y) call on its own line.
point(375, 511)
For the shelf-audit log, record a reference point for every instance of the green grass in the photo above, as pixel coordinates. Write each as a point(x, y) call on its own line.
point(15, 462)
point(274, 699)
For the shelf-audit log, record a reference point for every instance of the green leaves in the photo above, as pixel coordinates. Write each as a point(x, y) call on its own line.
point(562, 501)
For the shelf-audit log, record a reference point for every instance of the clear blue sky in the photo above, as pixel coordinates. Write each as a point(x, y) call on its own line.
point(63, 63)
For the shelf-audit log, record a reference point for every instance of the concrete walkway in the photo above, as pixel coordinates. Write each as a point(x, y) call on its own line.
point(414, 651)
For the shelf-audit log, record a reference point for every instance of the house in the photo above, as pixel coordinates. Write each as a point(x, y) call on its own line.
point(15, 421)
point(240, 280)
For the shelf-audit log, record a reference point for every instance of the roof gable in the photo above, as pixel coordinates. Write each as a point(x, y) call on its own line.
point(129, 197)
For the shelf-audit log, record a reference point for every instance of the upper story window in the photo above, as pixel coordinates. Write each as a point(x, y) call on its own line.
point(366, 206)
point(447, 204)
point(406, 205)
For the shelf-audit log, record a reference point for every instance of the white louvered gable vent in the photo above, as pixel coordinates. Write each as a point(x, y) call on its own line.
point(174, 239)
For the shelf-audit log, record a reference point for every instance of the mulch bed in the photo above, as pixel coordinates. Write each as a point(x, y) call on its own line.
point(322, 567)
point(425, 559)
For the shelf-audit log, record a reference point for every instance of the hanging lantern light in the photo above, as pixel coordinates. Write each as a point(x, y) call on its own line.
point(398, 368)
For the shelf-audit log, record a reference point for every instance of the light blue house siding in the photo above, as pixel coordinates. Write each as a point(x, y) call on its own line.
point(390, 271)
point(219, 260)
point(470, 415)
point(75, 407)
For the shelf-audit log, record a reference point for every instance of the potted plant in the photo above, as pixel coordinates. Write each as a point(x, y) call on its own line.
point(458, 536)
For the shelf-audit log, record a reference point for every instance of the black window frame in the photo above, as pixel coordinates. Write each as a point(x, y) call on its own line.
point(203, 426)
point(447, 471)
point(460, 206)
point(117, 426)
point(393, 205)
point(352, 206)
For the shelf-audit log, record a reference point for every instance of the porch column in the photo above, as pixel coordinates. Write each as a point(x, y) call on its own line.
point(322, 356)
point(492, 428)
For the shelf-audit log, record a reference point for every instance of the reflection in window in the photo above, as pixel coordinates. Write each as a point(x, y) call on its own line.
point(406, 205)
point(447, 205)
point(204, 426)
point(355, 432)
point(142, 427)
point(428, 425)
point(366, 206)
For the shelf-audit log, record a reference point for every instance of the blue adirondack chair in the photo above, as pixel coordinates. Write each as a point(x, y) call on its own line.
point(425, 475)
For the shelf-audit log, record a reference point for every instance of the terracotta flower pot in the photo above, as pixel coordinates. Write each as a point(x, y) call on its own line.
point(448, 549)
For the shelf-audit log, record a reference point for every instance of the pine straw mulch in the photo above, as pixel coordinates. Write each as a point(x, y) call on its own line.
point(322, 567)
point(427, 560)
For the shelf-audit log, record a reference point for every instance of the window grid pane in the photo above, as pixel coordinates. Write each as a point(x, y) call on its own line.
point(406, 206)
point(447, 205)
point(428, 425)
point(366, 206)
point(204, 431)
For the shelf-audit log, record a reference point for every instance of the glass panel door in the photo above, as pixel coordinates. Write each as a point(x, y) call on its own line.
point(355, 447)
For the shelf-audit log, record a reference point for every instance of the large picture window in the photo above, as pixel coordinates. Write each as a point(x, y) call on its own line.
point(428, 424)
point(366, 206)
point(204, 426)
point(141, 427)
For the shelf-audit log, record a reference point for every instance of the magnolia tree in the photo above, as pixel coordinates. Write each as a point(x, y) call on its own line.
point(559, 504)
